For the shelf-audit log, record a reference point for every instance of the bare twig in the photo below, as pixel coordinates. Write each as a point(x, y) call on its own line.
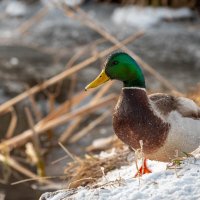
point(5, 168)
point(37, 179)
point(68, 152)
point(31, 124)
point(65, 107)
point(59, 159)
point(12, 124)
point(40, 162)
point(90, 126)
point(35, 108)
point(83, 51)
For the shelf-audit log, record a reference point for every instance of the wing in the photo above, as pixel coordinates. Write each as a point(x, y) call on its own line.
point(187, 107)
point(167, 103)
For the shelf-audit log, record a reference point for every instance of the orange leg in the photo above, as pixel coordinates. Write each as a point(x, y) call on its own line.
point(143, 169)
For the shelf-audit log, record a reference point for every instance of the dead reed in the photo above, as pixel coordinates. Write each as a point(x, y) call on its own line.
point(194, 93)
point(86, 171)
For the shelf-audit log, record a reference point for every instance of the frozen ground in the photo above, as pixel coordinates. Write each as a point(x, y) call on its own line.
point(163, 183)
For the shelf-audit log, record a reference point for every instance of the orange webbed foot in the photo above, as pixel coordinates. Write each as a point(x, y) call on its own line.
point(143, 169)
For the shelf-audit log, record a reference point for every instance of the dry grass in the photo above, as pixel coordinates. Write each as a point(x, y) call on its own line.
point(86, 171)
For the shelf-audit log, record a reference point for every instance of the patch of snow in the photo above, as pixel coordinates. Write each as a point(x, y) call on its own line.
point(196, 153)
point(6, 33)
point(16, 9)
point(144, 17)
point(163, 183)
point(102, 142)
point(103, 131)
point(14, 61)
point(71, 3)
point(105, 154)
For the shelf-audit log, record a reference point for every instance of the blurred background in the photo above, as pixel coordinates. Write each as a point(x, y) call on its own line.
point(51, 49)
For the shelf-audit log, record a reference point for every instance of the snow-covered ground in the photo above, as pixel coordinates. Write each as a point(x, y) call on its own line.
point(120, 184)
point(145, 17)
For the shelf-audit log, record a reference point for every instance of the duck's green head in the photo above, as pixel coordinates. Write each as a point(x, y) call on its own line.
point(120, 66)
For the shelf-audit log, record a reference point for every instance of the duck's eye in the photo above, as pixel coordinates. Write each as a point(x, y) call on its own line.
point(115, 62)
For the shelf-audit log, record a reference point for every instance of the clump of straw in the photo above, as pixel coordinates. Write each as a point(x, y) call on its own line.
point(86, 171)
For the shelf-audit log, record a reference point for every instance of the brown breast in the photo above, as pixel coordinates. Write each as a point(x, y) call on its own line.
point(134, 120)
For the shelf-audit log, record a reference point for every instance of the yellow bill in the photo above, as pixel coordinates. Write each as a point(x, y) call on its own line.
point(101, 78)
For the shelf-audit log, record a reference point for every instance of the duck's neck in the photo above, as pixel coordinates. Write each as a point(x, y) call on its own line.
point(135, 83)
point(136, 96)
point(135, 80)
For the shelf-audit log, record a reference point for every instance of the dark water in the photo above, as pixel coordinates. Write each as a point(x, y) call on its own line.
point(21, 192)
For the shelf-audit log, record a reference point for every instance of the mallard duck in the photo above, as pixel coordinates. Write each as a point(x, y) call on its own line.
point(166, 124)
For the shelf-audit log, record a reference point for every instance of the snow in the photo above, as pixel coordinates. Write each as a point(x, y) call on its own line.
point(163, 183)
point(16, 9)
point(144, 17)
point(67, 2)
point(14, 61)
point(73, 2)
